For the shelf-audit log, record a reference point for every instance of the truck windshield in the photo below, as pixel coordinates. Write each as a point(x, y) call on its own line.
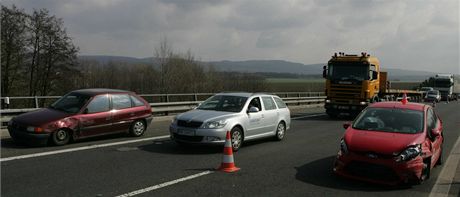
point(443, 83)
point(346, 71)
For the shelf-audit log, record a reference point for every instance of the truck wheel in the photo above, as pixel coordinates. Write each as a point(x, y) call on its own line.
point(331, 114)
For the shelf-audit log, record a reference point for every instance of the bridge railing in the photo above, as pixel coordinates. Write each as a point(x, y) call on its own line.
point(162, 104)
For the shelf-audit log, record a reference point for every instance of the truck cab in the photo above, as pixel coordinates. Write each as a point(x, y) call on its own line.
point(352, 82)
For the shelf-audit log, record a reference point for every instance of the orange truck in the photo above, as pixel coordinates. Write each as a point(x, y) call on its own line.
point(355, 81)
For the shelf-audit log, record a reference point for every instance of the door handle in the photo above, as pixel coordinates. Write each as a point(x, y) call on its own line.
point(108, 118)
point(132, 114)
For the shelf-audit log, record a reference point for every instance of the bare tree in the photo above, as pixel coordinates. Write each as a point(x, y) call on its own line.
point(13, 46)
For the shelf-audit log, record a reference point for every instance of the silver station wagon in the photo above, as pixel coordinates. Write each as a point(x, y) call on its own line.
point(247, 116)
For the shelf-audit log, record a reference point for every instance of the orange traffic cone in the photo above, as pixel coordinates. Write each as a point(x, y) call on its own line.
point(404, 99)
point(228, 164)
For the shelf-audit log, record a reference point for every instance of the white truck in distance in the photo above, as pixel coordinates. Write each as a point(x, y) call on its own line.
point(445, 84)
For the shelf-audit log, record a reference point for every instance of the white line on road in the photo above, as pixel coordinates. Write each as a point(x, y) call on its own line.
point(133, 193)
point(80, 148)
point(442, 186)
point(315, 115)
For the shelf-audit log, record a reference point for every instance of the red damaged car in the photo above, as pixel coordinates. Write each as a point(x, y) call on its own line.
point(81, 114)
point(391, 143)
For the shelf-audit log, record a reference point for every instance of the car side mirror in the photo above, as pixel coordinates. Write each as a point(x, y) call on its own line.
point(324, 72)
point(253, 110)
point(435, 132)
point(85, 111)
point(375, 74)
point(346, 125)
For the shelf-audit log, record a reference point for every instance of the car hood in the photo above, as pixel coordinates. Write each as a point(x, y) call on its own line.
point(204, 115)
point(40, 117)
point(380, 142)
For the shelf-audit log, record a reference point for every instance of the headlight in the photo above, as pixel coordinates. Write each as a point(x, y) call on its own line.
point(409, 153)
point(10, 123)
point(215, 124)
point(343, 146)
point(174, 120)
point(328, 101)
point(363, 103)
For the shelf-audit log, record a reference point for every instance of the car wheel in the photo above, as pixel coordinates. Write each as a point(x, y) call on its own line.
point(440, 160)
point(280, 131)
point(137, 128)
point(426, 170)
point(60, 137)
point(237, 138)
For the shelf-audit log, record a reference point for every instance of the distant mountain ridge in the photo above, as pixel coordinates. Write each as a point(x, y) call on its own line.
point(268, 66)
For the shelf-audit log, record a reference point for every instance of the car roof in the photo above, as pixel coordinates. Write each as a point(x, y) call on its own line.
point(97, 91)
point(244, 94)
point(399, 105)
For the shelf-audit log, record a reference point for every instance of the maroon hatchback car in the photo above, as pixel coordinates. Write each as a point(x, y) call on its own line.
point(81, 114)
point(391, 143)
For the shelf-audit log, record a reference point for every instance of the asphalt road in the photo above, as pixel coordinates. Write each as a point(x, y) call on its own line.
point(300, 165)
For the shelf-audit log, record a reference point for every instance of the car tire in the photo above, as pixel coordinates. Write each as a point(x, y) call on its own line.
point(137, 128)
point(426, 170)
point(440, 159)
point(280, 131)
point(236, 136)
point(60, 137)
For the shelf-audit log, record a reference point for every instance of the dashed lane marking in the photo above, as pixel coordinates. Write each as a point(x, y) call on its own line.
point(155, 187)
point(309, 116)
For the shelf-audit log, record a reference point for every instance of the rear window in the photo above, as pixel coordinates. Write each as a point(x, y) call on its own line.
point(268, 103)
point(280, 102)
point(136, 101)
point(121, 101)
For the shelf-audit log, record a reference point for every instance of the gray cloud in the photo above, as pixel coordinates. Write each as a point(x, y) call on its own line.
point(413, 34)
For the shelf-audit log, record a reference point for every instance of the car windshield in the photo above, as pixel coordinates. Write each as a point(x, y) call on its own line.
point(345, 71)
point(224, 103)
point(426, 89)
point(433, 92)
point(390, 120)
point(70, 103)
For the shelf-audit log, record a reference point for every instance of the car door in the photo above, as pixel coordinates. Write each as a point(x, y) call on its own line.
point(269, 115)
point(97, 117)
point(254, 126)
point(123, 112)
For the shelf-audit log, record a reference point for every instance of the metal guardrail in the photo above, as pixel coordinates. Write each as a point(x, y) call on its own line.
point(165, 108)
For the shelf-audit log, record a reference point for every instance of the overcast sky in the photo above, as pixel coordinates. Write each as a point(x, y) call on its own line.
point(410, 34)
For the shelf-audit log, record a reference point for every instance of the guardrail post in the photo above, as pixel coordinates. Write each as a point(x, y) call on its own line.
point(36, 101)
point(195, 97)
point(6, 103)
point(167, 100)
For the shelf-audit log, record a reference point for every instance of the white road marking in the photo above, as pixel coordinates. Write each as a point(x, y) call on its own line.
point(442, 186)
point(80, 148)
point(155, 187)
point(315, 115)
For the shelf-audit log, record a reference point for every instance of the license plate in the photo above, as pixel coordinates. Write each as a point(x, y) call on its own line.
point(186, 132)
